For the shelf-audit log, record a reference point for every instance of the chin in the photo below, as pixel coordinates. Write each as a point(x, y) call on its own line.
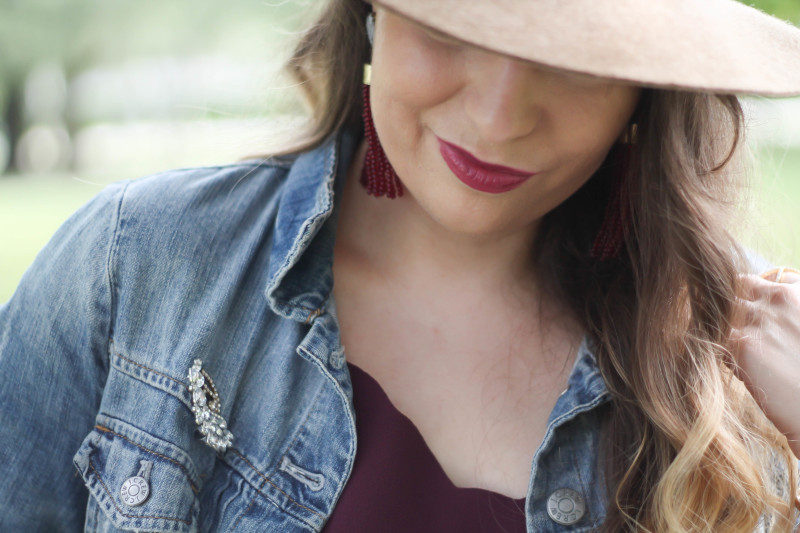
point(466, 213)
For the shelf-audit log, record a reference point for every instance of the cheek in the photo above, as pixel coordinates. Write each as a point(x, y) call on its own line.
point(409, 77)
point(409, 73)
point(586, 127)
point(581, 138)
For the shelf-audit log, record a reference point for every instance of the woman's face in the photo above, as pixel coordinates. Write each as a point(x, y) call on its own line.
point(427, 87)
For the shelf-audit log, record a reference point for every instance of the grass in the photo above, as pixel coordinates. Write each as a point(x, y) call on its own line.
point(32, 207)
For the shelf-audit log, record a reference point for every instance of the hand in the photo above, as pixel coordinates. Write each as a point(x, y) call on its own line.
point(765, 342)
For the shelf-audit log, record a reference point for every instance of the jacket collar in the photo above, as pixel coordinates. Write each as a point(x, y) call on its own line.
point(300, 276)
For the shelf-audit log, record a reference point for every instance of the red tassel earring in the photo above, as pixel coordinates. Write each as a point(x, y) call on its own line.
point(377, 176)
point(611, 236)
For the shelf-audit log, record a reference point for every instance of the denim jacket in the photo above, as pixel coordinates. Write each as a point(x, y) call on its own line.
point(231, 266)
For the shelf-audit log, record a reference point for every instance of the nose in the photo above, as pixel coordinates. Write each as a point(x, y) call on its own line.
point(500, 99)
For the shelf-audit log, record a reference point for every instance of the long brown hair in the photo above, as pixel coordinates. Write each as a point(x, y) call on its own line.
point(684, 445)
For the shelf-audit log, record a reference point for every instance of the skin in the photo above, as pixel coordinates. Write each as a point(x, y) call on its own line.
point(503, 110)
point(766, 348)
point(434, 289)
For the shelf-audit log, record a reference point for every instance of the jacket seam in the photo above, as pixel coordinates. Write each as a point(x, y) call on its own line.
point(585, 490)
point(270, 500)
point(183, 469)
point(313, 313)
point(351, 426)
point(111, 263)
point(267, 478)
point(179, 382)
point(302, 425)
point(252, 501)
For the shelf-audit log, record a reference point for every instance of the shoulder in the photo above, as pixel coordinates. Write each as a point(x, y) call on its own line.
point(779, 478)
point(194, 191)
point(177, 207)
point(181, 232)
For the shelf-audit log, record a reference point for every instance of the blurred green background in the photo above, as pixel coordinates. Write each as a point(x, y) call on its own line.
point(94, 91)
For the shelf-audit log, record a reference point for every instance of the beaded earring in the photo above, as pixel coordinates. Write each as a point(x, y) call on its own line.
point(611, 236)
point(378, 177)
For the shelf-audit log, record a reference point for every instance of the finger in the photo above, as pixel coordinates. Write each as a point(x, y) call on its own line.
point(754, 287)
point(770, 274)
point(746, 313)
point(785, 274)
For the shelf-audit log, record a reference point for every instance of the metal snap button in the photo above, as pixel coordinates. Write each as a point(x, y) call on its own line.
point(565, 506)
point(136, 489)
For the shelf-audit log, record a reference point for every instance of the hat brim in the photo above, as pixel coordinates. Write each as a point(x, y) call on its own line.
point(719, 46)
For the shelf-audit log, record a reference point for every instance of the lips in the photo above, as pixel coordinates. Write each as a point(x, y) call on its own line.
point(480, 175)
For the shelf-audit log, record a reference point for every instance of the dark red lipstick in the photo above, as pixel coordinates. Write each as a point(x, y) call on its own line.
point(480, 175)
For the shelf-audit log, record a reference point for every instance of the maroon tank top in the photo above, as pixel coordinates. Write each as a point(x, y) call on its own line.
point(397, 485)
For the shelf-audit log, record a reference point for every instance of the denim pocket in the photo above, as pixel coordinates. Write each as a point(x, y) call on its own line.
point(140, 482)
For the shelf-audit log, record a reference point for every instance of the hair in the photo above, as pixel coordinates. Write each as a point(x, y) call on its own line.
point(684, 445)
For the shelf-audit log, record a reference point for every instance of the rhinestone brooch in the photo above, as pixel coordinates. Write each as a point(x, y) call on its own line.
point(205, 406)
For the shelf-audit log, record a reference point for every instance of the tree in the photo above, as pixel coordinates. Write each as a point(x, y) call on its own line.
point(788, 10)
point(79, 33)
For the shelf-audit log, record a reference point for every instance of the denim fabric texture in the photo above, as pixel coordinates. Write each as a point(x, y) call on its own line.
point(231, 265)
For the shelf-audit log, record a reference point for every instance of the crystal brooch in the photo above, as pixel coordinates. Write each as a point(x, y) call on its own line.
point(205, 406)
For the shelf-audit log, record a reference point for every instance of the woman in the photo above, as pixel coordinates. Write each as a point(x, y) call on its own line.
point(537, 301)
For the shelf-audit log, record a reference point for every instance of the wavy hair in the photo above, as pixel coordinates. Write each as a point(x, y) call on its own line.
point(684, 445)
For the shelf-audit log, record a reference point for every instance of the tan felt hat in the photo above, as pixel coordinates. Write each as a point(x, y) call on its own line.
point(719, 46)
